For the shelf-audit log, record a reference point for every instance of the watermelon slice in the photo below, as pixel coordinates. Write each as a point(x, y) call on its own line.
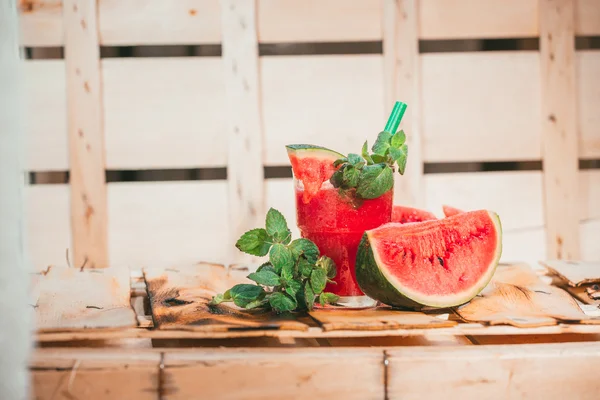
point(450, 211)
point(404, 215)
point(439, 263)
point(312, 165)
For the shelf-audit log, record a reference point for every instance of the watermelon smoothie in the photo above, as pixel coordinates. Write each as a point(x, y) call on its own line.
point(336, 226)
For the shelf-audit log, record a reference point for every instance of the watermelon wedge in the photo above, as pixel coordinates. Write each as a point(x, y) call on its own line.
point(450, 211)
point(403, 215)
point(440, 263)
point(312, 165)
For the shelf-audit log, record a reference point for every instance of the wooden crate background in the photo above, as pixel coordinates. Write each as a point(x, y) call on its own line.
point(88, 115)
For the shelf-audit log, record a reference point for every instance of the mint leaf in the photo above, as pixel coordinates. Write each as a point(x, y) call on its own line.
point(337, 179)
point(255, 242)
point(365, 153)
point(340, 161)
point(377, 159)
point(282, 302)
point(309, 297)
point(327, 297)
point(244, 293)
point(398, 139)
point(318, 280)
point(402, 160)
point(382, 144)
point(374, 181)
point(306, 248)
point(280, 257)
point(265, 277)
point(277, 226)
point(355, 160)
point(218, 299)
point(265, 267)
point(287, 272)
point(305, 267)
point(293, 287)
point(256, 304)
point(328, 265)
point(351, 175)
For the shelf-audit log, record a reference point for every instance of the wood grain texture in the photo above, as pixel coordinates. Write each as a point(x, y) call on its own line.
point(150, 22)
point(41, 23)
point(375, 319)
point(244, 120)
point(186, 127)
point(86, 135)
point(71, 299)
point(402, 83)
point(587, 17)
point(343, 112)
point(465, 19)
point(179, 298)
point(46, 107)
point(588, 101)
point(516, 371)
point(266, 373)
point(574, 273)
point(559, 144)
point(516, 296)
point(161, 223)
point(94, 374)
point(286, 21)
point(463, 92)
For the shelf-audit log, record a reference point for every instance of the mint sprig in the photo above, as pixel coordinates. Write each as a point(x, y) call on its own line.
point(295, 276)
point(370, 175)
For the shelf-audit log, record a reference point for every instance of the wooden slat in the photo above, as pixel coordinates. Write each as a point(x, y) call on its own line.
point(517, 296)
point(48, 230)
point(41, 23)
point(376, 319)
point(86, 136)
point(179, 298)
point(588, 102)
point(244, 120)
point(266, 373)
point(68, 299)
point(587, 17)
point(575, 273)
point(347, 110)
point(164, 113)
point(281, 196)
point(464, 19)
point(94, 374)
point(402, 83)
point(481, 106)
point(159, 22)
point(544, 371)
point(170, 222)
point(559, 125)
point(589, 232)
point(284, 21)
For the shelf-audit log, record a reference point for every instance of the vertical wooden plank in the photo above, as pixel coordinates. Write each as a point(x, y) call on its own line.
point(86, 136)
point(401, 74)
point(559, 130)
point(244, 121)
point(15, 341)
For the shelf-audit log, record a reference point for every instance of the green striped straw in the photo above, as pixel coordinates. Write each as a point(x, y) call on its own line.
point(395, 117)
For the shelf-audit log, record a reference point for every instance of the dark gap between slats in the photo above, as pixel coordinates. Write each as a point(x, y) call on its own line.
point(204, 50)
point(285, 171)
point(319, 48)
point(475, 45)
point(587, 43)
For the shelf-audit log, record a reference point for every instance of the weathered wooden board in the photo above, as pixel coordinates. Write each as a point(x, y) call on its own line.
point(71, 299)
point(376, 319)
point(94, 374)
point(516, 296)
point(520, 371)
point(267, 373)
point(179, 299)
point(574, 273)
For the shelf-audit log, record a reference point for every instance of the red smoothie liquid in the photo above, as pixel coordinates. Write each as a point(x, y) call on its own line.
point(336, 227)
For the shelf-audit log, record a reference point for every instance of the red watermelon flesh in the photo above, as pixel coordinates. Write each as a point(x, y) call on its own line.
point(438, 263)
point(450, 211)
point(312, 165)
point(403, 215)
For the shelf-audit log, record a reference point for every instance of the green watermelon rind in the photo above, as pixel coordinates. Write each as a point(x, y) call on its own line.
point(373, 281)
point(309, 150)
